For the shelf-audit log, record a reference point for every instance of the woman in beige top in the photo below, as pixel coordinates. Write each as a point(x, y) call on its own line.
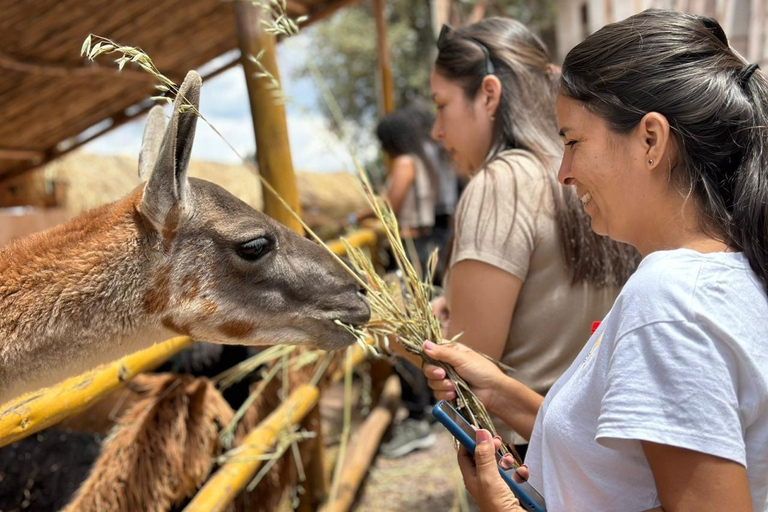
point(526, 276)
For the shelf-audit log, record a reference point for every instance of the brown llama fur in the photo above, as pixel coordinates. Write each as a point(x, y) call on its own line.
point(161, 451)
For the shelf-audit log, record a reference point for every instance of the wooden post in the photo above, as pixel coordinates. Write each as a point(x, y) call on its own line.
point(234, 475)
point(387, 98)
point(273, 150)
point(363, 448)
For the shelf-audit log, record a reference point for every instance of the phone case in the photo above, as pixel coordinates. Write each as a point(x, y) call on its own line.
point(465, 434)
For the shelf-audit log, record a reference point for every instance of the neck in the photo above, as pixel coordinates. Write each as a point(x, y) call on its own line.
point(71, 298)
point(678, 227)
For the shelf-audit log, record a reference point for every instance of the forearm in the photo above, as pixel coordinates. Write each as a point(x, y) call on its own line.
point(516, 405)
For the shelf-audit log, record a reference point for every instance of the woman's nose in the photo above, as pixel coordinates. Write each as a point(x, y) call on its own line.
point(437, 132)
point(564, 175)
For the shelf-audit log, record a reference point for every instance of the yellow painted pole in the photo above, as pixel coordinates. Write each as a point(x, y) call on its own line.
point(234, 475)
point(360, 238)
point(273, 150)
point(358, 356)
point(40, 409)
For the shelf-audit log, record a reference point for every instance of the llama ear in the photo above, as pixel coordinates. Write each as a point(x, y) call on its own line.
point(167, 188)
point(151, 141)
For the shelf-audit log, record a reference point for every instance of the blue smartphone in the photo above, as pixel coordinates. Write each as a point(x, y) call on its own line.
point(461, 429)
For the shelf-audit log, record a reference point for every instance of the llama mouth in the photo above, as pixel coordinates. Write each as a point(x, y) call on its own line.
point(357, 318)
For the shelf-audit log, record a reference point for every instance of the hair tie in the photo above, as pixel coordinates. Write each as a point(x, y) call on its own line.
point(748, 72)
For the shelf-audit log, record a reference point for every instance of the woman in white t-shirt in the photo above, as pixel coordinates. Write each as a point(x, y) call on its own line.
point(666, 407)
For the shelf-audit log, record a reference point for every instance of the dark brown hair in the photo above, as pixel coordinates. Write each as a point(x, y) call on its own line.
point(680, 65)
point(525, 119)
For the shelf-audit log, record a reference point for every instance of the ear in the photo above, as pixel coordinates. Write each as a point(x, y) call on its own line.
point(151, 141)
point(167, 188)
point(655, 138)
point(490, 91)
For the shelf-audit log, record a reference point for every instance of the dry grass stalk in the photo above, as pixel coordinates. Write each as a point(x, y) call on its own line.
point(405, 316)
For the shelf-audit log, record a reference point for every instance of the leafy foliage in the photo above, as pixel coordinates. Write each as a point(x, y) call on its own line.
point(344, 47)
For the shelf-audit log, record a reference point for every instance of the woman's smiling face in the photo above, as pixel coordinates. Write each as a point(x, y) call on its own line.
point(606, 170)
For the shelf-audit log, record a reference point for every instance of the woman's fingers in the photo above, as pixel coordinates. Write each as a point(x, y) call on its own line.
point(522, 474)
point(433, 372)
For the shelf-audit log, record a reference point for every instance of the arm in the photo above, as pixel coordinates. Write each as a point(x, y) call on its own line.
point(687, 480)
point(483, 298)
point(401, 178)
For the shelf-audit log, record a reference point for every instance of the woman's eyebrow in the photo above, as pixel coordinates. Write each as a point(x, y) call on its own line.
point(563, 131)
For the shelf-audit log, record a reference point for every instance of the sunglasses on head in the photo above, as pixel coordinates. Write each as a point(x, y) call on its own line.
point(447, 31)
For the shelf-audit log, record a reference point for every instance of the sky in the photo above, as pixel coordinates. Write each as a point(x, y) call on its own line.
point(224, 102)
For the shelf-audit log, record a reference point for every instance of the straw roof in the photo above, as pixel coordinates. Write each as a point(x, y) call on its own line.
point(49, 96)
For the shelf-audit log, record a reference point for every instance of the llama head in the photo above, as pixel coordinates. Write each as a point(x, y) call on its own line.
point(222, 271)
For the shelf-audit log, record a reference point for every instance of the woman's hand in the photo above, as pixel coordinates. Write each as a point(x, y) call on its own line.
point(480, 374)
point(482, 479)
point(516, 404)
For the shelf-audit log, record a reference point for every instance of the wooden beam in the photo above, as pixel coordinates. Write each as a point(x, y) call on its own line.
point(296, 8)
point(359, 238)
point(387, 98)
point(237, 472)
point(136, 110)
point(273, 150)
point(62, 70)
point(363, 448)
point(35, 411)
point(34, 157)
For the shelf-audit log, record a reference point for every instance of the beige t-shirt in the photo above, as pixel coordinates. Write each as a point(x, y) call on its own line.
point(505, 217)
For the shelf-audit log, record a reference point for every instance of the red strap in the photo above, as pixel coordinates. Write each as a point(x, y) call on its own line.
point(595, 325)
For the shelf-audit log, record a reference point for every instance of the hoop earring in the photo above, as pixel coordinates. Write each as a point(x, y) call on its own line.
point(650, 162)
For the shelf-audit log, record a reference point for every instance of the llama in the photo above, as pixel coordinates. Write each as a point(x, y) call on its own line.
point(178, 255)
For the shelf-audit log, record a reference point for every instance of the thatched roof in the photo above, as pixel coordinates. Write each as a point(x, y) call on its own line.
point(49, 96)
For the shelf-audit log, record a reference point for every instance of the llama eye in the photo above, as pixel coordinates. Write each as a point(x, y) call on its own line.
point(255, 249)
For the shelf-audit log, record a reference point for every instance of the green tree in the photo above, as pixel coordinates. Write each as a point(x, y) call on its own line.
point(344, 49)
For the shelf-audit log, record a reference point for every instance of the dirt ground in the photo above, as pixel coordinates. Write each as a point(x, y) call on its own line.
point(424, 480)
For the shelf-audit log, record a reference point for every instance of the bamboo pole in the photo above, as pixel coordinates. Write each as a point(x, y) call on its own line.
point(273, 150)
point(40, 409)
point(361, 452)
point(234, 475)
point(360, 238)
point(316, 484)
point(387, 99)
